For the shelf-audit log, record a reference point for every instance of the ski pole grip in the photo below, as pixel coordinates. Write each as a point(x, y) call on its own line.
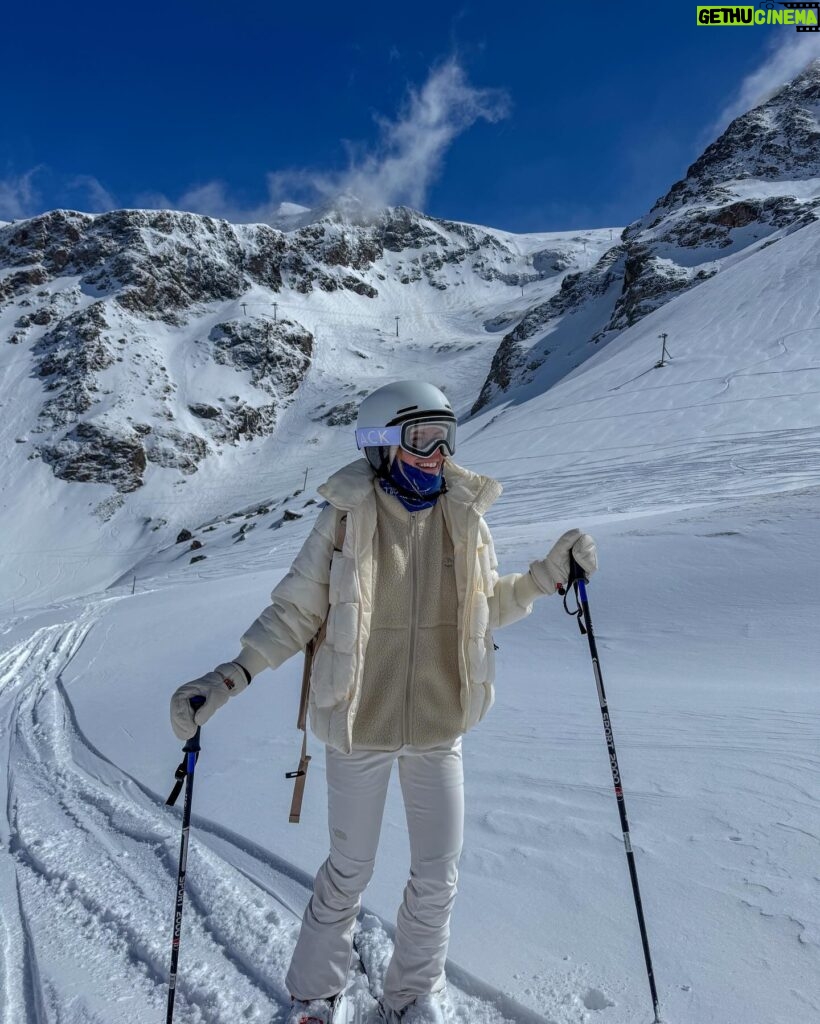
point(192, 746)
point(576, 572)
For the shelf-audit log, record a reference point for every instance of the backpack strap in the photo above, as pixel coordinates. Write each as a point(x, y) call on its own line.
point(312, 646)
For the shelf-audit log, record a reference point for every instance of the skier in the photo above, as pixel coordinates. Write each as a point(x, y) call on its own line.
point(400, 568)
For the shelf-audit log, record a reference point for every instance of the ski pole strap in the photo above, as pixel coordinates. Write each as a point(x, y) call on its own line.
point(300, 777)
point(180, 775)
point(577, 578)
point(577, 612)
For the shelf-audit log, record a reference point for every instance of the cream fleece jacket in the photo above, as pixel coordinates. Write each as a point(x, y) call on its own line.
point(321, 578)
point(411, 690)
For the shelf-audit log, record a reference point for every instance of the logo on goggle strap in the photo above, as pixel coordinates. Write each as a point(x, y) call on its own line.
point(374, 437)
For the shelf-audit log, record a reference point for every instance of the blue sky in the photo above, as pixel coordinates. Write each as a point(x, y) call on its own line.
point(533, 116)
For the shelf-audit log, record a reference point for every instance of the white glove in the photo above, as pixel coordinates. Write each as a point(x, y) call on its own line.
point(216, 687)
point(553, 570)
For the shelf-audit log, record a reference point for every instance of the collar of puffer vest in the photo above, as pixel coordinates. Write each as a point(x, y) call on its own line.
point(350, 485)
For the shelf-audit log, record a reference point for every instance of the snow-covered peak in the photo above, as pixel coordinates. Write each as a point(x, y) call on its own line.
point(149, 353)
point(344, 208)
point(776, 141)
point(759, 181)
point(288, 216)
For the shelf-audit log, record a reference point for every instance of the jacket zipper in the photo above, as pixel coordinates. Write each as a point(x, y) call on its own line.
point(350, 528)
point(414, 614)
point(473, 531)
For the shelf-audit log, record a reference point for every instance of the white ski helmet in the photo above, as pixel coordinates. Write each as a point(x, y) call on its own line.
point(408, 413)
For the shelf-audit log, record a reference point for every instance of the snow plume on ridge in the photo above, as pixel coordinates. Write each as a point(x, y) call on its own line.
point(785, 62)
point(413, 146)
point(399, 170)
point(98, 198)
point(212, 199)
point(18, 196)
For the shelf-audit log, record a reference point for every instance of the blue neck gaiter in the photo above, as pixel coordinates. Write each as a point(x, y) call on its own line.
point(414, 488)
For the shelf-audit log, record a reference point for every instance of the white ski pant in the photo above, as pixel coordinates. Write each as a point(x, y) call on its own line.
point(432, 783)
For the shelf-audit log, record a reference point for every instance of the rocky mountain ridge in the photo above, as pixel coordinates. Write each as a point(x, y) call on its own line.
point(104, 303)
point(757, 182)
point(155, 337)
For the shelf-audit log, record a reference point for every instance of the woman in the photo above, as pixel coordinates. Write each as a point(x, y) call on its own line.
point(400, 567)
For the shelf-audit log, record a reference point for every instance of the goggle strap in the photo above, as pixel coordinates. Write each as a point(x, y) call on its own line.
point(378, 437)
point(386, 437)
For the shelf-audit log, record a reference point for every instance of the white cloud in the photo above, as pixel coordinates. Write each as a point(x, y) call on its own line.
point(400, 168)
point(785, 61)
point(18, 196)
point(412, 147)
point(212, 199)
point(97, 198)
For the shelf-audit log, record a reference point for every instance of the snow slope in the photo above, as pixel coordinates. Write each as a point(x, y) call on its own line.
point(734, 412)
point(701, 482)
point(167, 365)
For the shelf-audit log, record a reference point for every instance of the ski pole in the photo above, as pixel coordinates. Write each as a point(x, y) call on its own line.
point(578, 579)
point(184, 773)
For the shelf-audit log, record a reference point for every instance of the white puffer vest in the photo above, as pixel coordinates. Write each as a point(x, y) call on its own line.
point(342, 581)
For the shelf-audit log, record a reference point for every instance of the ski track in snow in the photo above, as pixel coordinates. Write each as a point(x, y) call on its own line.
point(732, 467)
point(88, 862)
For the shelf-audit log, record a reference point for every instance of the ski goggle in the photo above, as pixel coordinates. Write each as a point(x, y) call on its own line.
point(418, 437)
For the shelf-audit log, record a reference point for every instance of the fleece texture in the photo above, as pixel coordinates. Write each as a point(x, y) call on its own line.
point(341, 585)
point(411, 690)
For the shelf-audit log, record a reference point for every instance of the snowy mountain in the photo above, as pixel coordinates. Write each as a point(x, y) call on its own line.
point(146, 352)
point(164, 428)
point(754, 185)
point(118, 310)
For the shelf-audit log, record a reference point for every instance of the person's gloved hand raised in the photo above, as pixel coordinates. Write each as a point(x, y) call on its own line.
point(215, 688)
point(554, 570)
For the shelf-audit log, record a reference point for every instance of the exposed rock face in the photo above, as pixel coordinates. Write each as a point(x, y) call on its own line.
point(175, 449)
point(124, 311)
point(648, 282)
point(444, 243)
point(158, 263)
point(117, 286)
point(90, 454)
point(153, 262)
point(68, 358)
point(776, 141)
point(517, 360)
point(424, 246)
point(748, 188)
point(550, 262)
point(277, 354)
point(341, 415)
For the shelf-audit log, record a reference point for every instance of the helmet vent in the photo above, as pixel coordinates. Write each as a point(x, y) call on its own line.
point(407, 408)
